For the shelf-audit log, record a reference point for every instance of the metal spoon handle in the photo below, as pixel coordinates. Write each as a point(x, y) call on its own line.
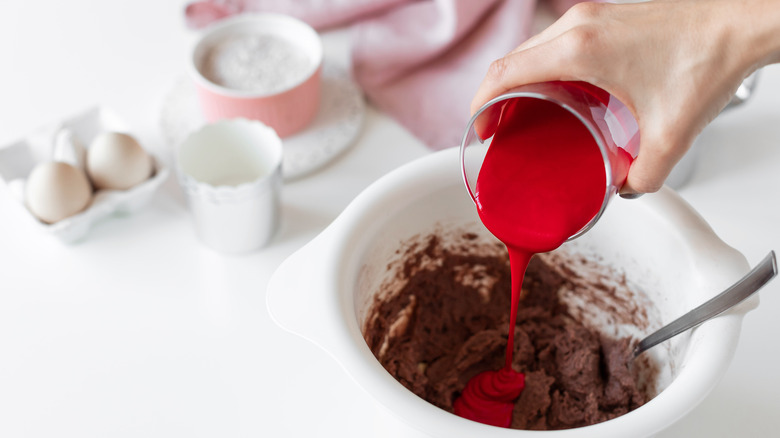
point(738, 292)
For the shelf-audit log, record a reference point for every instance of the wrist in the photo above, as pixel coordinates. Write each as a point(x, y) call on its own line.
point(760, 24)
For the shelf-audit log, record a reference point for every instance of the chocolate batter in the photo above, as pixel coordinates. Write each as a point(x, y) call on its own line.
point(443, 319)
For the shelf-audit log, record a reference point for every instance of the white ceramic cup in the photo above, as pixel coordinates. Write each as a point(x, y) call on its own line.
point(230, 172)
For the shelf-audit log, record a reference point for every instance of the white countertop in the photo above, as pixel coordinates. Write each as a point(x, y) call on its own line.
point(139, 330)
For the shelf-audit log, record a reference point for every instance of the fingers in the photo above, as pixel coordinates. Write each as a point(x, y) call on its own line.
point(580, 13)
point(540, 63)
point(557, 53)
point(646, 175)
point(486, 123)
point(551, 32)
point(653, 165)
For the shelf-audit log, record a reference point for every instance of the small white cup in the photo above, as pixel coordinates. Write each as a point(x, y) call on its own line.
point(230, 172)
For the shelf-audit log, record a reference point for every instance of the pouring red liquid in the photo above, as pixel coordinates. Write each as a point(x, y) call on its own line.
point(542, 180)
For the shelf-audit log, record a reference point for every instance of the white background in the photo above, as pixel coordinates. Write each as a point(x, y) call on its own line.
point(141, 331)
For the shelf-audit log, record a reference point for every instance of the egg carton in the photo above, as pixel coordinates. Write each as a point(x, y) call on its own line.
point(18, 159)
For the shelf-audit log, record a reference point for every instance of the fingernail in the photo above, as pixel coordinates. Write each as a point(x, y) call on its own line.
point(631, 195)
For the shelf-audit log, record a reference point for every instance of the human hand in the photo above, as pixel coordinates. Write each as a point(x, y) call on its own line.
point(674, 63)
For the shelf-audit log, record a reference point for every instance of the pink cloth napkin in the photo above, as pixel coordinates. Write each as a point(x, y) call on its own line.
point(420, 61)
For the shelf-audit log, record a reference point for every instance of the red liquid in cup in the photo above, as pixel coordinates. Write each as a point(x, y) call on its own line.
point(543, 179)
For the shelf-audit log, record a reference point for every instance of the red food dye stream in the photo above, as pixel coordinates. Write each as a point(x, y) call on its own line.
point(541, 182)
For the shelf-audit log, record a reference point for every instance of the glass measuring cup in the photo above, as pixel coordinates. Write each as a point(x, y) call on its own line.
point(610, 123)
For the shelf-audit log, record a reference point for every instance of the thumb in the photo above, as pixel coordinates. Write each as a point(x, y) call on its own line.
point(658, 154)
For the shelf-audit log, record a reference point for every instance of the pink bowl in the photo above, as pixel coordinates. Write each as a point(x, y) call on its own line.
point(288, 110)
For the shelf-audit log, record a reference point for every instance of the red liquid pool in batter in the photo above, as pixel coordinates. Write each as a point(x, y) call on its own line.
point(541, 182)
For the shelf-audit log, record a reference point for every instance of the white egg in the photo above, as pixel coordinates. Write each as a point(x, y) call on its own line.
point(116, 161)
point(56, 190)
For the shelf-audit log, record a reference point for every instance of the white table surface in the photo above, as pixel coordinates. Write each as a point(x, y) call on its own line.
point(139, 330)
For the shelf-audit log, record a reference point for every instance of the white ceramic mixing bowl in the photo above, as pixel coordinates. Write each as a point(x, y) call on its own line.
point(323, 291)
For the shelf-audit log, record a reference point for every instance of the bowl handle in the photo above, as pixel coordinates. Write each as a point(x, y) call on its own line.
point(699, 234)
point(299, 302)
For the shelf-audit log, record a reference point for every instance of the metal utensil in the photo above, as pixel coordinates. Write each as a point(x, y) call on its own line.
point(738, 292)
